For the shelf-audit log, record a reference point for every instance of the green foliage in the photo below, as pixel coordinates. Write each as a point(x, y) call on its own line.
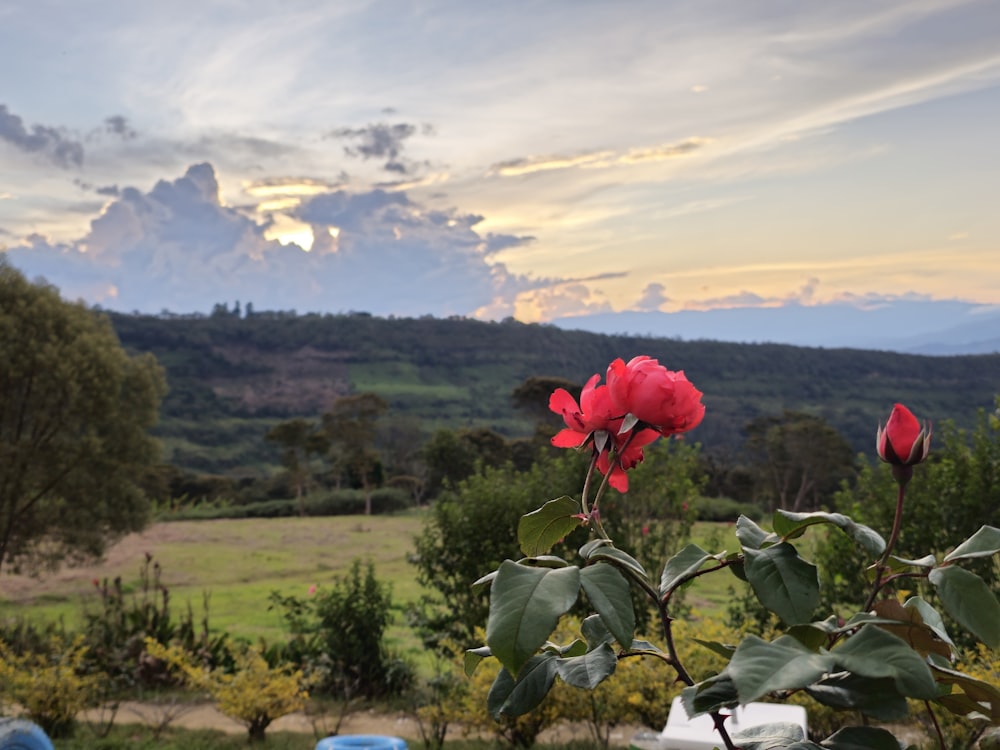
point(52, 685)
point(75, 411)
point(891, 651)
point(338, 636)
point(958, 491)
point(230, 377)
point(117, 632)
point(799, 460)
point(723, 509)
point(472, 528)
point(344, 502)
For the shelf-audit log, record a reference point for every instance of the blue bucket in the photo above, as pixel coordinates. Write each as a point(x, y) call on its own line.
point(361, 742)
point(20, 734)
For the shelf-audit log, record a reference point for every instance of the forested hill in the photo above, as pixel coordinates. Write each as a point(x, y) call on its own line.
point(231, 376)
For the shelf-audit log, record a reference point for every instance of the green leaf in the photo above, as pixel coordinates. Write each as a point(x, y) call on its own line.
point(638, 644)
point(783, 582)
point(525, 607)
point(681, 566)
point(778, 734)
point(481, 583)
point(515, 698)
point(595, 631)
point(589, 670)
point(588, 549)
point(984, 543)
point(985, 695)
point(543, 561)
point(759, 667)
point(752, 536)
point(970, 601)
point(710, 695)
point(575, 648)
point(897, 564)
point(608, 591)
point(540, 530)
point(810, 636)
point(722, 649)
point(876, 697)
point(621, 559)
point(861, 738)
point(789, 525)
point(874, 652)
point(473, 657)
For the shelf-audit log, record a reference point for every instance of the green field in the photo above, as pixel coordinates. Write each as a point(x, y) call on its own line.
point(238, 563)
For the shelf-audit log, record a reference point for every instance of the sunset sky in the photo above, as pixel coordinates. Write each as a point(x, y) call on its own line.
point(534, 159)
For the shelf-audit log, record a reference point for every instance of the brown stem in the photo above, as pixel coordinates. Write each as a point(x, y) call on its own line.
point(880, 567)
point(937, 727)
point(683, 675)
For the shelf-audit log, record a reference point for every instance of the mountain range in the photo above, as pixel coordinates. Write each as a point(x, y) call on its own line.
point(937, 328)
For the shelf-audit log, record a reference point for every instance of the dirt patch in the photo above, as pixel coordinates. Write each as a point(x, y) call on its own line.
point(398, 724)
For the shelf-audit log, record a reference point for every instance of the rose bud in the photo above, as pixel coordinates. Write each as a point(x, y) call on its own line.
point(903, 441)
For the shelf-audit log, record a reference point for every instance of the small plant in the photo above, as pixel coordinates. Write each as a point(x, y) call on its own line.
point(253, 693)
point(52, 686)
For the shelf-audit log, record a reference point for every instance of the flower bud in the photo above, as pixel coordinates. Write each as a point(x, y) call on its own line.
point(903, 441)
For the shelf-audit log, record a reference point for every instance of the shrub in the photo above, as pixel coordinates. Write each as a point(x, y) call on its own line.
point(253, 693)
point(724, 509)
point(51, 686)
point(338, 636)
point(117, 632)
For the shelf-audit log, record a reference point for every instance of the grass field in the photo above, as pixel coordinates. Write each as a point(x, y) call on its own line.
point(240, 562)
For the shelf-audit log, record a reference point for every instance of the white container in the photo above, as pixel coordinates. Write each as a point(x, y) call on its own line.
point(685, 733)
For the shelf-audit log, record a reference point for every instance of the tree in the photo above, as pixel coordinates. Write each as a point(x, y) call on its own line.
point(799, 460)
point(300, 440)
point(75, 411)
point(350, 426)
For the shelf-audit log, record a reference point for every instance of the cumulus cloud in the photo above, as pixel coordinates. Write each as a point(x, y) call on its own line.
point(52, 143)
point(381, 141)
point(178, 247)
point(653, 298)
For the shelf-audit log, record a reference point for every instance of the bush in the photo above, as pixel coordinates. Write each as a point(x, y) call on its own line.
point(338, 637)
point(724, 509)
point(346, 502)
point(116, 633)
point(52, 686)
point(253, 693)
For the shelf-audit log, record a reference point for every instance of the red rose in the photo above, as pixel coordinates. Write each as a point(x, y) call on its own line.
point(661, 398)
point(595, 412)
point(903, 441)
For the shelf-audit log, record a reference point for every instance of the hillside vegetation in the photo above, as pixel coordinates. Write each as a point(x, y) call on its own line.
point(232, 376)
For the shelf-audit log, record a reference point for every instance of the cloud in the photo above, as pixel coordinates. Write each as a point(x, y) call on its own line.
point(653, 298)
point(50, 142)
point(118, 125)
point(560, 300)
point(381, 141)
point(178, 247)
point(601, 159)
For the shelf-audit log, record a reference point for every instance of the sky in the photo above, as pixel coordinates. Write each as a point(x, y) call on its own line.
point(539, 160)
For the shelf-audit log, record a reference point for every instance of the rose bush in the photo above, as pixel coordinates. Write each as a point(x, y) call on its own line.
point(894, 650)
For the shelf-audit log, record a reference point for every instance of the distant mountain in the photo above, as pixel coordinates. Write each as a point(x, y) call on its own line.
point(918, 327)
point(233, 377)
